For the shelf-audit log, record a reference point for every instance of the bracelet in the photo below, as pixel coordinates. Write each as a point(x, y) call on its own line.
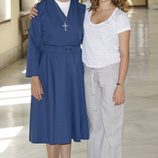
point(119, 84)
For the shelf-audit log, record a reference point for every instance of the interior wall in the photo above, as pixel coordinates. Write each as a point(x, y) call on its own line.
point(9, 37)
point(142, 2)
point(2, 8)
point(27, 4)
point(153, 3)
point(9, 32)
point(136, 2)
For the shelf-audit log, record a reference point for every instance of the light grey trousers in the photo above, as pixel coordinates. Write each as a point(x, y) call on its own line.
point(105, 119)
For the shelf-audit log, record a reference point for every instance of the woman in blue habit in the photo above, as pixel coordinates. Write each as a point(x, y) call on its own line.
point(58, 110)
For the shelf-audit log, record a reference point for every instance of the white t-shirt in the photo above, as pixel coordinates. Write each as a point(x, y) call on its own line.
point(87, 3)
point(64, 6)
point(101, 41)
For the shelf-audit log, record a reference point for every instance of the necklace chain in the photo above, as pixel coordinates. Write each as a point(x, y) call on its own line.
point(65, 25)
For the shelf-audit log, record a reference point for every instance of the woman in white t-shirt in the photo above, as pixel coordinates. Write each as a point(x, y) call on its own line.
point(106, 59)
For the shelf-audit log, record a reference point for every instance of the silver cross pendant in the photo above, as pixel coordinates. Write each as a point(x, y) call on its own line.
point(65, 26)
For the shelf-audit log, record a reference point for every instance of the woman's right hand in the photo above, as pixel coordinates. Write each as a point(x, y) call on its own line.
point(34, 12)
point(36, 88)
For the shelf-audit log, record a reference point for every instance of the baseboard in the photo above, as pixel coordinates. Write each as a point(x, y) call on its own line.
point(9, 57)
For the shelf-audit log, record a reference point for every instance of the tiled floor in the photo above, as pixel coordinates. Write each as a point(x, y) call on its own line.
point(141, 119)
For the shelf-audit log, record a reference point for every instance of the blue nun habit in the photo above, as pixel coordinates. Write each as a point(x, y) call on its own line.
point(55, 56)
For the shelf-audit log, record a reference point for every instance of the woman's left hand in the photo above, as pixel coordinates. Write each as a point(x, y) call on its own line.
point(119, 95)
point(34, 12)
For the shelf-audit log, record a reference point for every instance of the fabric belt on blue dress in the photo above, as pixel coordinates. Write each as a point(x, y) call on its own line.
point(62, 49)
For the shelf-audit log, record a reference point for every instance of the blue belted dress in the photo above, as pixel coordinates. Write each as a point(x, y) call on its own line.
point(55, 56)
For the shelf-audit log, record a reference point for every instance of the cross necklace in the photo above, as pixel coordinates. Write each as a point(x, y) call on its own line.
point(65, 25)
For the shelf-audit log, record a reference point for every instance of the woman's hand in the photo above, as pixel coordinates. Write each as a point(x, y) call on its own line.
point(34, 12)
point(119, 95)
point(36, 88)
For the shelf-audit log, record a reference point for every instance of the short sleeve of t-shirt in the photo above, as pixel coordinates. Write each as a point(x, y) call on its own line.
point(122, 22)
point(87, 3)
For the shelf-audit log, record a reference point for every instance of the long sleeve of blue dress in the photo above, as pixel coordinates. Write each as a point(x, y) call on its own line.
point(33, 53)
point(55, 56)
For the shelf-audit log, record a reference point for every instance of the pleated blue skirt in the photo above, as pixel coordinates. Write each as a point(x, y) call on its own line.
point(60, 116)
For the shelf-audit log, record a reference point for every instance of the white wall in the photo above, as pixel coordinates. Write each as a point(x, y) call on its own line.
point(27, 4)
point(9, 37)
point(9, 33)
point(153, 3)
point(136, 2)
point(142, 2)
point(2, 8)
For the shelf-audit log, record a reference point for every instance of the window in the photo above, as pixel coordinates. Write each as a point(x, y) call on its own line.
point(5, 10)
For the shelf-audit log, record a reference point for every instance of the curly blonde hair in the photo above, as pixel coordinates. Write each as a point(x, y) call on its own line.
point(121, 4)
